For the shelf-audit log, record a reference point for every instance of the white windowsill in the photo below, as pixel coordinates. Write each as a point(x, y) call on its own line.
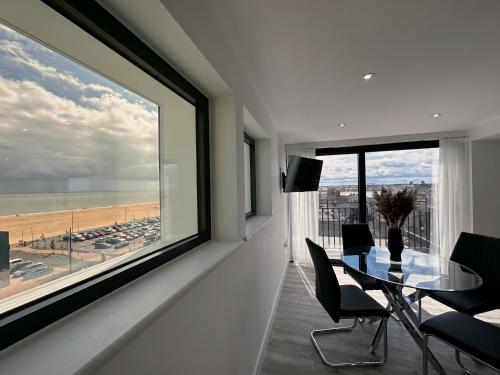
point(89, 335)
point(255, 224)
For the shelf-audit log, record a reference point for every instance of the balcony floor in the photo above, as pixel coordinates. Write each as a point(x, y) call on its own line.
point(290, 350)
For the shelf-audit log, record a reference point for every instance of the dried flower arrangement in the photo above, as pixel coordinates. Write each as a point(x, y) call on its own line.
point(395, 207)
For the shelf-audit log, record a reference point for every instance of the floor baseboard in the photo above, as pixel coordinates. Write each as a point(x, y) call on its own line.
point(269, 326)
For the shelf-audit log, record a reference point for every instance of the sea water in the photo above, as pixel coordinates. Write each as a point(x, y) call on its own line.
point(15, 204)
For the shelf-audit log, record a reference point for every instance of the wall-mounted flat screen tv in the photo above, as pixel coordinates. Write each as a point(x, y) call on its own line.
point(303, 174)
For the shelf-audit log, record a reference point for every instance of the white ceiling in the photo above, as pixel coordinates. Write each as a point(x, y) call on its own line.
point(305, 60)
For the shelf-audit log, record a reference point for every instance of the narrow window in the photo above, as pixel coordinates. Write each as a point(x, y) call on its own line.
point(250, 179)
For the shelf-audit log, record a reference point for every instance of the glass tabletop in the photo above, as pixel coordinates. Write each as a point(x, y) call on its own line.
point(417, 270)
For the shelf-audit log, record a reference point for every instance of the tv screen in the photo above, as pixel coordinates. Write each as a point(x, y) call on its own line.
point(303, 174)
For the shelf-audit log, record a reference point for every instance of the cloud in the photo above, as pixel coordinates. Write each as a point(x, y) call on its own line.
point(61, 122)
point(68, 140)
point(382, 167)
point(55, 166)
point(5, 144)
point(23, 54)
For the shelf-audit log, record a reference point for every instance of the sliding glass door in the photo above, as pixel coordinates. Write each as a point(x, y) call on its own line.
point(351, 175)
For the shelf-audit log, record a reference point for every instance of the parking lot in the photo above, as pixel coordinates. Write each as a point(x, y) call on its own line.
point(54, 257)
point(123, 237)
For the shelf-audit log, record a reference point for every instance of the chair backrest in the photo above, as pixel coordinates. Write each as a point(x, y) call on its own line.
point(327, 285)
point(481, 254)
point(355, 235)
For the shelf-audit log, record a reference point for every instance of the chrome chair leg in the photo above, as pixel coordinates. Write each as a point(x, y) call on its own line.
point(459, 361)
point(420, 311)
point(320, 332)
point(378, 336)
point(424, 351)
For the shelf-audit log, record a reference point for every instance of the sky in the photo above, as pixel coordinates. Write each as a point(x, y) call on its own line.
point(384, 167)
point(64, 128)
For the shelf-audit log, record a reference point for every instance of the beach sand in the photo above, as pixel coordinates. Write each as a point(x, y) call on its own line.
point(59, 222)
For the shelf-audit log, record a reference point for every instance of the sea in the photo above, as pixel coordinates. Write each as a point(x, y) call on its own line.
point(14, 204)
point(371, 180)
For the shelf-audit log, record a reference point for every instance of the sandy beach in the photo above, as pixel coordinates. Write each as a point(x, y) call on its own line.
point(26, 226)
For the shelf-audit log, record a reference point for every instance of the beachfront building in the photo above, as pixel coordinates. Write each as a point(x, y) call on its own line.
point(145, 151)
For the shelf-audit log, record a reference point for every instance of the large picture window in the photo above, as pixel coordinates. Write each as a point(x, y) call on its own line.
point(350, 176)
point(104, 167)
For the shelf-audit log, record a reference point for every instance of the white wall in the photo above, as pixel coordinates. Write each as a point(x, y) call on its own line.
point(217, 327)
point(487, 130)
point(486, 187)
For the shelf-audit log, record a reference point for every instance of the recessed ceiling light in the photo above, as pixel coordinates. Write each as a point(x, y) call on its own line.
point(368, 76)
point(67, 123)
point(24, 130)
point(435, 115)
point(341, 125)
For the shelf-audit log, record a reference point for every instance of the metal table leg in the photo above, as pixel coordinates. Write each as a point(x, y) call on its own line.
point(408, 318)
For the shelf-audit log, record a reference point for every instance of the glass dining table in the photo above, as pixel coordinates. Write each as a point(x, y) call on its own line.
point(421, 272)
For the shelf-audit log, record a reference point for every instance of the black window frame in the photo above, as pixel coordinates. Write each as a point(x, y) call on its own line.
point(361, 152)
point(28, 318)
point(250, 141)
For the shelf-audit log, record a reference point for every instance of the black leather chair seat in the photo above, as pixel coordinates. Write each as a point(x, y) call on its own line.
point(470, 302)
point(467, 334)
point(355, 302)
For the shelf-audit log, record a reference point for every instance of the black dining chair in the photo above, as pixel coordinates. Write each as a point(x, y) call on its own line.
point(353, 236)
point(342, 302)
point(465, 334)
point(482, 255)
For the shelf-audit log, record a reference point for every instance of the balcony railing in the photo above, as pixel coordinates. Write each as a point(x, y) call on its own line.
point(416, 230)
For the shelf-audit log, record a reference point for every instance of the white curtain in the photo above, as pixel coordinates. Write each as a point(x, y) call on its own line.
point(455, 203)
point(434, 227)
point(303, 215)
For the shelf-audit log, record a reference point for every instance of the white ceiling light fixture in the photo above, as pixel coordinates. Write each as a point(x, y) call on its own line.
point(436, 115)
point(341, 125)
point(368, 76)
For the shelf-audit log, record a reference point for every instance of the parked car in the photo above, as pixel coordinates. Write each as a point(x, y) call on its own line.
point(37, 272)
point(19, 265)
point(102, 245)
point(122, 244)
point(14, 261)
point(27, 268)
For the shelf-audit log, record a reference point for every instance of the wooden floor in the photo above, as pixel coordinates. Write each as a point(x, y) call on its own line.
point(290, 351)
